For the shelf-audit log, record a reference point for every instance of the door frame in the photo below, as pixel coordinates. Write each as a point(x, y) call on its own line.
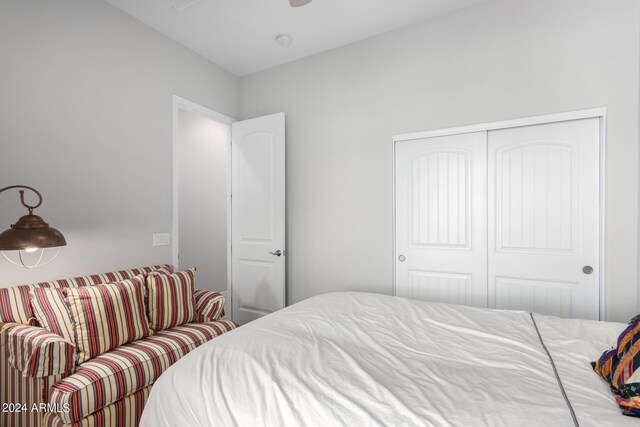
point(180, 103)
point(599, 112)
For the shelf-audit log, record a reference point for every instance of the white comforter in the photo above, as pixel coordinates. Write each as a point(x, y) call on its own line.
point(363, 359)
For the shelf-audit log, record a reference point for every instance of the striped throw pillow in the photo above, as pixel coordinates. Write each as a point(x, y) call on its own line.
point(107, 316)
point(51, 309)
point(171, 299)
point(209, 305)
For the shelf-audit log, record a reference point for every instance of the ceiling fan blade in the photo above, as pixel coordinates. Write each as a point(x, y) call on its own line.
point(298, 3)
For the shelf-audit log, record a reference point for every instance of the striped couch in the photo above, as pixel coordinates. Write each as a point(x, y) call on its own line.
point(41, 384)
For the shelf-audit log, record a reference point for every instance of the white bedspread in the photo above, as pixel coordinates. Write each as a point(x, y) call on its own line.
point(363, 359)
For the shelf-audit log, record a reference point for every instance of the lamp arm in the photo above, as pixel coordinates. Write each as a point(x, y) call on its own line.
point(31, 208)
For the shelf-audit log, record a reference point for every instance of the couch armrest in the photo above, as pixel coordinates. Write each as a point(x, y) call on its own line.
point(36, 352)
point(209, 305)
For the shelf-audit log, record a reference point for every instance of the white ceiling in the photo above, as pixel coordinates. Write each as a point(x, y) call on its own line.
point(239, 35)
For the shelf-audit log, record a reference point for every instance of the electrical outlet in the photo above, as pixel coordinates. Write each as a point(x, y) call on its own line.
point(161, 239)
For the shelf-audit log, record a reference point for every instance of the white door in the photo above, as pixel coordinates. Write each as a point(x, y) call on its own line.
point(258, 217)
point(441, 219)
point(544, 218)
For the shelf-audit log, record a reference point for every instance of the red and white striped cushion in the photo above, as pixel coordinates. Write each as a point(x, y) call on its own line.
point(15, 306)
point(52, 311)
point(129, 368)
point(107, 316)
point(171, 299)
point(209, 305)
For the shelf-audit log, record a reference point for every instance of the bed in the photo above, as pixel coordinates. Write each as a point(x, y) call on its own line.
point(365, 359)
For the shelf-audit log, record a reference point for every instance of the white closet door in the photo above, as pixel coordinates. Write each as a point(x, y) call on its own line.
point(258, 217)
point(544, 218)
point(441, 246)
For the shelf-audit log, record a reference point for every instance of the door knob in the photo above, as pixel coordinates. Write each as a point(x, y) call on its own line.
point(401, 258)
point(276, 253)
point(587, 269)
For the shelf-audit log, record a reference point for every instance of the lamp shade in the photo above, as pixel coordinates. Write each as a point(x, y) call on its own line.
point(31, 232)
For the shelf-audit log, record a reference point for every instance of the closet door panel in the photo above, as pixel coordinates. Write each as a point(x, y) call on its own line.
point(544, 218)
point(441, 219)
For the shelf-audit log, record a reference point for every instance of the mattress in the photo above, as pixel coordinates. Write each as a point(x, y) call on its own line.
point(366, 359)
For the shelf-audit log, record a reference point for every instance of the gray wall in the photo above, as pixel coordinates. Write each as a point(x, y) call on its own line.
point(496, 61)
point(203, 193)
point(85, 117)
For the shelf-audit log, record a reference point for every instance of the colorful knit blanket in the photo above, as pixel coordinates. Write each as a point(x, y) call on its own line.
point(620, 368)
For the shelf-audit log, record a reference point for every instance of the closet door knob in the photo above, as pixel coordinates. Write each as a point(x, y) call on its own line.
point(587, 269)
point(402, 258)
point(276, 253)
